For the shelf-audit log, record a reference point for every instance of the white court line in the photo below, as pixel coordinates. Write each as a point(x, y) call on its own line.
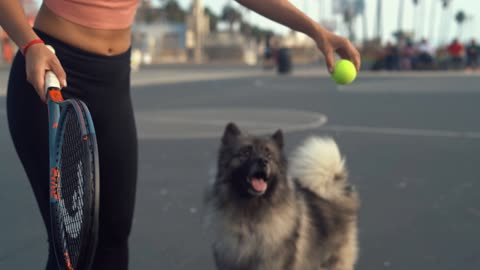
point(405, 131)
point(318, 122)
point(188, 126)
point(162, 78)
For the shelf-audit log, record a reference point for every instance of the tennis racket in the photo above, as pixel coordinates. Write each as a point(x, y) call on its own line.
point(74, 178)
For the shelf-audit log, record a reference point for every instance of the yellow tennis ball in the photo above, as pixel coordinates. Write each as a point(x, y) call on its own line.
point(344, 72)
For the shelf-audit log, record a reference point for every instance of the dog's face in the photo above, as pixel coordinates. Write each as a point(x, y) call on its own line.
point(251, 166)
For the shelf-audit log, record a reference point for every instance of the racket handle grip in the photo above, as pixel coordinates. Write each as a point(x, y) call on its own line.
point(51, 81)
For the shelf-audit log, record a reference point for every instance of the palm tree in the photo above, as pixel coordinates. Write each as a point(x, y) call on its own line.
point(422, 16)
point(359, 7)
point(348, 19)
point(145, 12)
point(445, 25)
point(460, 18)
point(400, 14)
point(415, 11)
point(213, 19)
point(432, 20)
point(231, 15)
point(174, 12)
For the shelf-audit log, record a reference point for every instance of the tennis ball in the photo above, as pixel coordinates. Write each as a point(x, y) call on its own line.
point(344, 72)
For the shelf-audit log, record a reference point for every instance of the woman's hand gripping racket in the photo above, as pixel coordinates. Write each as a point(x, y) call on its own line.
point(74, 178)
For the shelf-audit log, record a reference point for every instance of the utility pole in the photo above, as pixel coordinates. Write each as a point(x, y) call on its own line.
point(198, 30)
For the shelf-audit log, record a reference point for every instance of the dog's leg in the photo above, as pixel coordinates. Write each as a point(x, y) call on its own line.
point(346, 256)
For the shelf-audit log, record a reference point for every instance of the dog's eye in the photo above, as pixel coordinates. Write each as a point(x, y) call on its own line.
point(246, 152)
point(268, 153)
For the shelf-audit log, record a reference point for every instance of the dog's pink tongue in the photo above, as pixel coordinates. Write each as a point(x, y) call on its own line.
point(259, 184)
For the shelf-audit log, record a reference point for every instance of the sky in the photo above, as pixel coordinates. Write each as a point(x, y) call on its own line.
point(439, 30)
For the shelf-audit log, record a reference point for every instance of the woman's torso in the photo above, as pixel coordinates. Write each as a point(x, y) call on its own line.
point(100, 41)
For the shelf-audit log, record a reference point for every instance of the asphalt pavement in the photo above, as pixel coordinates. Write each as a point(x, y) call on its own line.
point(411, 142)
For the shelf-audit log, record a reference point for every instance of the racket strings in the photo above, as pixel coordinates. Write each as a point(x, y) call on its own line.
point(74, 173)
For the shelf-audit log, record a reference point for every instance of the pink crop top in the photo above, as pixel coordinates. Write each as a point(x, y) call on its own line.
point(99, 14)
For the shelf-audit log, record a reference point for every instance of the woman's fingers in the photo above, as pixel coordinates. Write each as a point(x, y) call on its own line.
point(39, 60)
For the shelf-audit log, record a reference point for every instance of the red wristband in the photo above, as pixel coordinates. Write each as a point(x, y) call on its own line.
point(30, 43)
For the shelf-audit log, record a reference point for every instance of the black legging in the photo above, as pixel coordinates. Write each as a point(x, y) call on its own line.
point(103, 83)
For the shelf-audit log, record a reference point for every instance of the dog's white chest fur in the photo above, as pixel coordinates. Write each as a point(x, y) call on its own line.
point(247, 241)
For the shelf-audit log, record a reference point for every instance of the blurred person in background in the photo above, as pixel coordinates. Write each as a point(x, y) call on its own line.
point(391, 56)
point(92, 40)
point(269, 52)
point(425, 55)
point(406, 56)
point(456, 51)
point(473, 55)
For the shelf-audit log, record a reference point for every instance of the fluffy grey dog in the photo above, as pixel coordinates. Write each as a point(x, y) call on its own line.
point(265, 218)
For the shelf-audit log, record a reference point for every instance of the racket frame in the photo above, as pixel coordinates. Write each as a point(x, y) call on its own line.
point(56, 106)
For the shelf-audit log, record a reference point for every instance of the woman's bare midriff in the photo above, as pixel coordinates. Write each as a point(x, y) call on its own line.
point(99, 41)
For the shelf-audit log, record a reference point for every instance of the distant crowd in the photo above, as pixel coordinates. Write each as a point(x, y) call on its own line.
point(422, 56)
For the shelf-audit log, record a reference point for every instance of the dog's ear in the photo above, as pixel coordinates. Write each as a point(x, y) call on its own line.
point(278, 138)
point(231, 133)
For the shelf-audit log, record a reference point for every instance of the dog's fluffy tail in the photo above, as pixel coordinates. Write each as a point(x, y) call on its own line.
point(318, 166)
